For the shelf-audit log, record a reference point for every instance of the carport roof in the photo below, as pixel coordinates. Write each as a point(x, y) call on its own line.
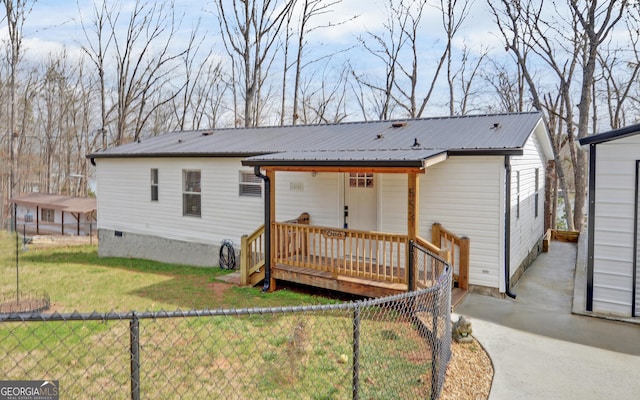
point(57, 202)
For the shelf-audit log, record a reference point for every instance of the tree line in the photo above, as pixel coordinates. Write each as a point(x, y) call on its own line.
point(145, 68)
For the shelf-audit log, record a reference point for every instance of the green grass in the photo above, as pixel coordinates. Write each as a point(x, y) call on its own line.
point(77, 279)
point(294, 355)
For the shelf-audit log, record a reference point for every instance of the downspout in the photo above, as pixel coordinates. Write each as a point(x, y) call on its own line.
point(267, 228)
point(507, 227)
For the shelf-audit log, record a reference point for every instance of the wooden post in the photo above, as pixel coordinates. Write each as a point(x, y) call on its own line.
point(435, 234)
point(244, 261)
point(549, 199)
point(413, 218)
point(271, 174)
point(463, 273)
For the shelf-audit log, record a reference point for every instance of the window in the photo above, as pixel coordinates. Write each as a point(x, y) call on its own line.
point(47, 215)
point(250, 184)
point(357, 179)
point(535, 199)
point(517, 194)
point(154, 184)
point(191, 193)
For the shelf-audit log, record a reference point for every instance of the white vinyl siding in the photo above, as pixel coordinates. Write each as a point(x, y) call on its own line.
point(614, 223)
point(318, 194)
point(527, 228)
point(123, 204)
point(464, 194)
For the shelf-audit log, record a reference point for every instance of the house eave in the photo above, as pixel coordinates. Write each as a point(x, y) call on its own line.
point(486, 152)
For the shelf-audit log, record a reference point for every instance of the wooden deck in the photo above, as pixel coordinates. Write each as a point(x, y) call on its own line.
point(370, 264)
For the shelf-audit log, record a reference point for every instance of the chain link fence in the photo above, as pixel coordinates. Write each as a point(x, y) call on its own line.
point(388, 348)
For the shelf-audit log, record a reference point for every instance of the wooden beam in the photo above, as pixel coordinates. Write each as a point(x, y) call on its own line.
point(413, 221)
point(413, 206)
point(368, 170)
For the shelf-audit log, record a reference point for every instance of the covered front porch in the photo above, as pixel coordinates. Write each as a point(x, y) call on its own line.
point(363, 262)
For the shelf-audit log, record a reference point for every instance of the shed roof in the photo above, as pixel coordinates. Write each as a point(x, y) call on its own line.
point(57, 202)
point(611, 135)
point(397, 142)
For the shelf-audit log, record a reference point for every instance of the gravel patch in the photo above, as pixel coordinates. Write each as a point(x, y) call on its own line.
point(469, 374)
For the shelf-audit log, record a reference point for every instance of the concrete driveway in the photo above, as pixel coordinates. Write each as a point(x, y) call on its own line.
point(540, 350)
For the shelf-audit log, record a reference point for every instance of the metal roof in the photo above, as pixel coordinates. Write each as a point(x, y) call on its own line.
point(57, 202)
point(399, 141)
point(611, 135)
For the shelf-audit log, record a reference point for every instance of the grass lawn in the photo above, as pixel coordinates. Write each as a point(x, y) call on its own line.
point(76, 279)
point(294, 355)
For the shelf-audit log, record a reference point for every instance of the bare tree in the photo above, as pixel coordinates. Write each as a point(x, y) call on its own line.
point(143, 58)
point(16, 12)
point(249, 29)
point(327, 103)
point(569, 47)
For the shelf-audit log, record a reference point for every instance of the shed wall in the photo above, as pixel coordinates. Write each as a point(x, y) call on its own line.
point(614, 225)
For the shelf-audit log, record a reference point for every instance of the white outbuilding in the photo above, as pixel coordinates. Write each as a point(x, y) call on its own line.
point(613, 243)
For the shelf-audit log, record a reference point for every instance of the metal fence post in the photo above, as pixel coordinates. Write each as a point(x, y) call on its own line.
point(134, 334)
point(412, 268)
point(435, 365)
point(356, 353)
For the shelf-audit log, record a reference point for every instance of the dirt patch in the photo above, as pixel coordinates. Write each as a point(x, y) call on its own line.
point(24, 306)
point(219, 289)
point(469, 374)
point(45, 241)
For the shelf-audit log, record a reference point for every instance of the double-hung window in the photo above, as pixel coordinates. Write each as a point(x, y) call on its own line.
point(191, 201)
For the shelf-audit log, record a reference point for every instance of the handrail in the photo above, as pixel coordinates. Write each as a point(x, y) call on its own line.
point(458, 248)
point(251, 255)
point(342, 252)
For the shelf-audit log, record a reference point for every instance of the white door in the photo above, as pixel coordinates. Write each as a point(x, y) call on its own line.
point(361, 204)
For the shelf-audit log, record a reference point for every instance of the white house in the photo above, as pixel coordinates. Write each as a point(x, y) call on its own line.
point(175, 197)
point(613, 242)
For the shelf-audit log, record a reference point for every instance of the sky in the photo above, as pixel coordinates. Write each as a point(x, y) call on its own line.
point(56, 24)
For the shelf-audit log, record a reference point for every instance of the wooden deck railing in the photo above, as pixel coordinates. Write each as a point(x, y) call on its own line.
point(342, 252)
point(458, 248)
point(252, 252)
point(428, 269)
point(352, 254)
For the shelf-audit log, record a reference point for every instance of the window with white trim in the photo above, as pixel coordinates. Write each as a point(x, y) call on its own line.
point(154, 184)
point(191, 202)
point(249, 185)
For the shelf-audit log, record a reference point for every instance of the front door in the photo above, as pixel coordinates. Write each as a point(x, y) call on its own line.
point(361, 203)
